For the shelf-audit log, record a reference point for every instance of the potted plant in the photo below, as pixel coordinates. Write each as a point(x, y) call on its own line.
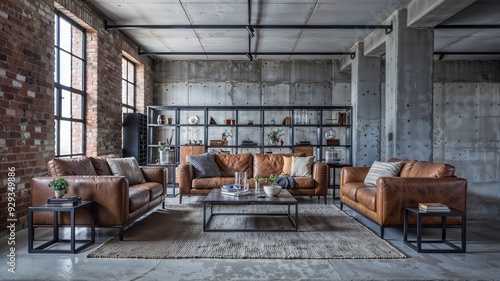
point(273, 189)
point(165, 154)
point(273, 137)
point(60, 186)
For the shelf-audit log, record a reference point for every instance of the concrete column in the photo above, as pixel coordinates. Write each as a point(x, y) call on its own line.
point(408, 106)
point(365, 99)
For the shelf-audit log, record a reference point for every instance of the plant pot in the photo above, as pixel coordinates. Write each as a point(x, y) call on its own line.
point(167, 156)
point(272, 190)
point(59, 193)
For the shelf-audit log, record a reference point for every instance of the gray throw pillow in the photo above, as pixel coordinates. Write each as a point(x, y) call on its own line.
point(382, 169)
point(126, 167)
point(204, 166)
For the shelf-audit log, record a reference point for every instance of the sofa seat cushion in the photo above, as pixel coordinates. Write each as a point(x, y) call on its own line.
point(137, 198)
point(427, 169)
point(81, 166)
point(303, 182)
point(350, 189)
point(155, 189)
point(366, 196)
point(209, 183)
point(231, 163)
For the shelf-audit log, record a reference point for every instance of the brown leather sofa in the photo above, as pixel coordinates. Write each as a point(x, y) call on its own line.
point(117, 203)
point(255, 165)
point(417, 182)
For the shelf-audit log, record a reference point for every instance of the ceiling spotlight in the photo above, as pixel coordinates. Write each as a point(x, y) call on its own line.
point(250, 30)
point(249, 56)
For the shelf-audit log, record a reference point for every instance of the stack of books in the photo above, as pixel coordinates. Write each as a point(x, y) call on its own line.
point(229, 190)
point(433, 207)
point(64, 201)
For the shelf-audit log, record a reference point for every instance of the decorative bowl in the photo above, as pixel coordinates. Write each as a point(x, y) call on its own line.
point(272, 190)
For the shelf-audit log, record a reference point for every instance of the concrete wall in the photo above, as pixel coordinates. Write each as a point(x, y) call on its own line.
point(467, 129)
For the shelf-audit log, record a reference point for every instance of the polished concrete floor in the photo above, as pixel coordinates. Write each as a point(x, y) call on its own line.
point(481, 262)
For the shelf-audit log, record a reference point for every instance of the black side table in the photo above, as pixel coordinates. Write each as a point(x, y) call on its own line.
point(334, 166)
point(55, 238)
point(417, 244)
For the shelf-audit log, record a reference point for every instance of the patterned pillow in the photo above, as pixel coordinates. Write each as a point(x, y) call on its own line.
point(301, 166)
point(382, 169)
point(204, 166)
point(126, 167)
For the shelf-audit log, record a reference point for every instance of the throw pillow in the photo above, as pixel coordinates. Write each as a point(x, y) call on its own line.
point(204, 166)
point(382, 169)
point(301, 166)
point(287, 165)
point(126, 167)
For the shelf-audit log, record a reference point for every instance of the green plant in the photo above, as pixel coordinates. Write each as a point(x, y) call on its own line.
point(257, 178)
point(163, 146)
point(273, 180)
point(59, 184)
point(274, 136)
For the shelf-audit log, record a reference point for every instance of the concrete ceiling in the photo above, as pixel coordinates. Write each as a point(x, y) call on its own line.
point(421, 13)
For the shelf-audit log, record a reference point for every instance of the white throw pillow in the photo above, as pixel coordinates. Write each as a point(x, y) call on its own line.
point(301, 166)
point(126, 167)
point(382, 169)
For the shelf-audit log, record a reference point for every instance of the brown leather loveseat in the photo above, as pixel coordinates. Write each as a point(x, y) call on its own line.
point(262, 165)
point(117, 203)
point(417, 182)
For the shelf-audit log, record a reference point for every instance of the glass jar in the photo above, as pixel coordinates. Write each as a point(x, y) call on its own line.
point(161, 119)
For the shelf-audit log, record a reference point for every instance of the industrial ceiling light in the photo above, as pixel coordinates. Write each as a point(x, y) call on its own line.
point(249, 56)
point(250, 30)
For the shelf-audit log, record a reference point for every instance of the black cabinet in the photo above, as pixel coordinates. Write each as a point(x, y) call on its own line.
point(135, 137)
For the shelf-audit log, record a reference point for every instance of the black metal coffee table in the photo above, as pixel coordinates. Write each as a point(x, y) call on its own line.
point(216, 198)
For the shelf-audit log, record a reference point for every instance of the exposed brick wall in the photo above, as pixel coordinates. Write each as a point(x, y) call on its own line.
point(27, 90)
point(27, 98)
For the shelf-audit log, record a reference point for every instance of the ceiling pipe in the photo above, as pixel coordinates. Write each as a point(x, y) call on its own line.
point(142, 53)
point(467, 26)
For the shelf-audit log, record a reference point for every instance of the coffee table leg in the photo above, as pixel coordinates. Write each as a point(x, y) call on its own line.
point(204, 216)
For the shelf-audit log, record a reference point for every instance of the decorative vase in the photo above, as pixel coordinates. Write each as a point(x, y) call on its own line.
point(166, 156)
point(272, 190)
point(59, 193)
point(161, 119)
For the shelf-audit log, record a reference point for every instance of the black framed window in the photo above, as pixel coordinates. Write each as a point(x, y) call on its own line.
point(69, 92)
point(128, 86)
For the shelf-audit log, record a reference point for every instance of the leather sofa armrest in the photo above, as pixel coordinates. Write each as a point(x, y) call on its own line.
point(396, 193)
point(353, 174)
point(185, 176)
point(155, 174)
point(110, 194)
point(319, 173)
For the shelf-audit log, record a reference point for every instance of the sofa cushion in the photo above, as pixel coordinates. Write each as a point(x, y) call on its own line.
point(231, 163)
point(407, 165)
point(81, 166)
point(350, 189)
point(287, 165)
point(204, 166)
point(101, 165)
point(366, 196)
point(303, 183)
point(155, 189)
point(137, 197)
point(427, 169)
point(382, 169)
point(126, 167)
point(301, 166)
point(265, 165)
point(209, 183)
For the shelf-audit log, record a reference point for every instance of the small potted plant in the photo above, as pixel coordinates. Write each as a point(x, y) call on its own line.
point(60, 186)
point(273, 137)
point(166, 154)
point(273, 189)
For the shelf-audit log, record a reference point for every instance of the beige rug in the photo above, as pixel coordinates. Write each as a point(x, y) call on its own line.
point(325, 232)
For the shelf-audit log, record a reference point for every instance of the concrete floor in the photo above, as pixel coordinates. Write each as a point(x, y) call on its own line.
point(481, 262)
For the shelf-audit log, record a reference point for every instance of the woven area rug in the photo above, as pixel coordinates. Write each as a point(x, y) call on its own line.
point(325, 232)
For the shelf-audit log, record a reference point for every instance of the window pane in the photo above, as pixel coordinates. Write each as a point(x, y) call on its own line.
point(77, 106)
point(56, 101)
point(130, 94)
point(65, 137)
point(65, 69)
point(131, 72)
point(77, 74)
point(77, 43)
point(66, 104)
point(124, 69)
point(56, 66)
point(65, 35)
point(77, 138)
point(124, 92)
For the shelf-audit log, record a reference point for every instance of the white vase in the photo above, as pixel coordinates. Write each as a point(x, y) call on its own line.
point(59, 193)
point(272, 190)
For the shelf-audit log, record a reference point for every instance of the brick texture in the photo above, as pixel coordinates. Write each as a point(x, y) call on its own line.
point(27, 91)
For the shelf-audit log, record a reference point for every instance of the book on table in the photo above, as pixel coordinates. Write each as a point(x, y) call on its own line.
point(64, 201)
point(232, 192)
point(433, 207)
